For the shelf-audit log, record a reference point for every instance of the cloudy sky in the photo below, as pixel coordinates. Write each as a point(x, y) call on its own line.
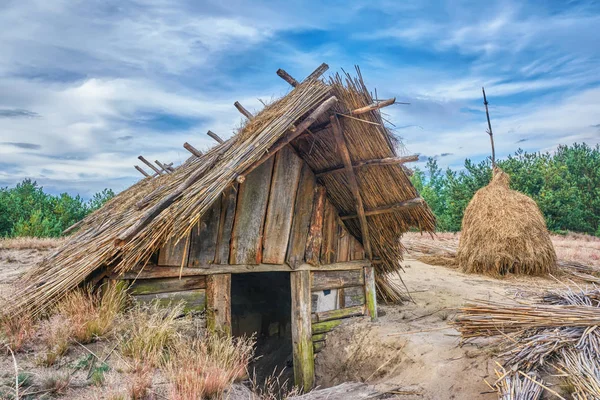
point(87, 86)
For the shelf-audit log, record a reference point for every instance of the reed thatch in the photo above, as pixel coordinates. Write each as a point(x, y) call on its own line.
point(503, 231)
point(116, 237)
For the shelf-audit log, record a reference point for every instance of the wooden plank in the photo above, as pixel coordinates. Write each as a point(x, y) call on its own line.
point(326, 326)
point(356, 249)
point(218, 303)
point(337, 314)
point(155, 271)
point(370, 294)
point(303, 356)
point(343, 243)
point(321, 280)
point(352, 182)
point(228, 201)
point(164, 285)
point(278, 222)
point(329, 244)
point(193, 300)
point(302, 215)
point(319, 337)
point(315, 232)
point(203, 242)
point(246, 237)
point(354, 296)
point(403, 205)
point(172, 254)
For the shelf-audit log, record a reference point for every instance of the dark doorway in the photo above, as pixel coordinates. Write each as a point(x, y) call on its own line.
point(261, 305)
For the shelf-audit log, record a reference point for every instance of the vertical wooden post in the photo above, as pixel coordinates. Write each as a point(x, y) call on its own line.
point(370, 292)
point(304, 363)
point(218, 303)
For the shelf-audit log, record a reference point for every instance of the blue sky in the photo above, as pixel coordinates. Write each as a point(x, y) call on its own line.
point(87, 86)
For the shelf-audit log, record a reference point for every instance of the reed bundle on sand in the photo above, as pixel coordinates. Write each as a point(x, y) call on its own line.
point(516, 386)
point(131, 227)
point(503, 231)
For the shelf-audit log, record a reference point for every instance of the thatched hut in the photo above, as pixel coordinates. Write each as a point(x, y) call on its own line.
point(503, 231)
point(287, 222)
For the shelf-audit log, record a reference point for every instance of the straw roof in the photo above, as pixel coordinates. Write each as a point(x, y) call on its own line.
point(128, 229)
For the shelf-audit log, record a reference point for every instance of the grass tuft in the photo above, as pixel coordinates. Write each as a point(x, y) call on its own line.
point(17, 331)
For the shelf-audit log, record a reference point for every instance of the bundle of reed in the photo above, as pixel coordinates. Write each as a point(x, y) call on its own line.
point(582, 374)
point(517, 385)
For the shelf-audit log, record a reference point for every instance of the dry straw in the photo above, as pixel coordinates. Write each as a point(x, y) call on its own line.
point(503, 231)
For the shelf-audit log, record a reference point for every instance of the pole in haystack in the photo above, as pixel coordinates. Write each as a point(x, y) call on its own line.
point(489, 131)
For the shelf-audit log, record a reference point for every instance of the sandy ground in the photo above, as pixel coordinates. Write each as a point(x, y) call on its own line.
point(412, 348)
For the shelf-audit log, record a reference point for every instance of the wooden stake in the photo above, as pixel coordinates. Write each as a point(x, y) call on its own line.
point(163, 166)
point(321, 69)
point(152, 167)
point(367, 163)
point(489, 131)
point(214, 136)
point(374, 106)
point(218, 303)
point(286, 77)
point(417, 201)
point(304, 367)
point(142, 171)
point(370, 292)
point(353, 182)
point(192, 149)
point(241, 109)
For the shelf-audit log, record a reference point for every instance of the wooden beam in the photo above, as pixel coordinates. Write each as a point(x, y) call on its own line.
point(214, 136)
point(192, 149)
point(321, 69)
point(142, 171)
point(218, 303)
point(293, 134)
point(244, 112)
point(163, 166)
point(152, 271)
point(337, 314)
point(374, 106)
point(408, 204)
point(152, 167)
point(287, 77)
point(302, 345)
point(72, 227)
point(368, 163)
point(353, 182)
point(370, 292)
point(315, 230)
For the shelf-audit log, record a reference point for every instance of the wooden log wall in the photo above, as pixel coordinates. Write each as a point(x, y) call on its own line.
point(278, 215)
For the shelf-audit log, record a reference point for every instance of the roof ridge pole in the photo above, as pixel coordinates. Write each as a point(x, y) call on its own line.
point(152, 167)
point(244, 112)
point(353, 183)
point(215, 136)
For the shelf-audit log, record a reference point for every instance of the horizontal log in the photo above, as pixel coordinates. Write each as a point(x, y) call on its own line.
point(242, 110)
point(369, 163)
point(319, 337)
point(154, 271)
point(152, 167)
point(287, 77)
point(326, 326)
point(192, 149)
point(142, 171)
point(165, 285)
point(337, 314)
point(322, 280)
point(373, 106)
point(193, 300)
point(403, 205)
point(215, 136)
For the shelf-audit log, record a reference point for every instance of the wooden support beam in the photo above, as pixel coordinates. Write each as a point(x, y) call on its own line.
point(152, 167)
point(287, 77)
point(293, 134)
point(337, 314)
point(374, 106)
point(303, 356)
point(369, 163)
point(218, 303)
point(214, 136)
point(316, 74)
point(412, 203)
point(142, 171)
point(244, 112)
point(163, 166)
point(192, 149)
point(370, 292)
point(353, 182)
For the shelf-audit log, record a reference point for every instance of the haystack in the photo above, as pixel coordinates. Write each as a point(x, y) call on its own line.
point(503, 231)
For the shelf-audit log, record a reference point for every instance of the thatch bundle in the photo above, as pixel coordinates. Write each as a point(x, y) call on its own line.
point(503, 231)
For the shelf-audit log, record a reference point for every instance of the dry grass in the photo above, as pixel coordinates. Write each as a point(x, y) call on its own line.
point(149, 332)
point(206, 368)
point(56, 335)
point(16, 332)
point(22, 243)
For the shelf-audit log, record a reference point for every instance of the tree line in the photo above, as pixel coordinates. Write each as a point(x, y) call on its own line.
point(26, 210)
point(565, 184)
